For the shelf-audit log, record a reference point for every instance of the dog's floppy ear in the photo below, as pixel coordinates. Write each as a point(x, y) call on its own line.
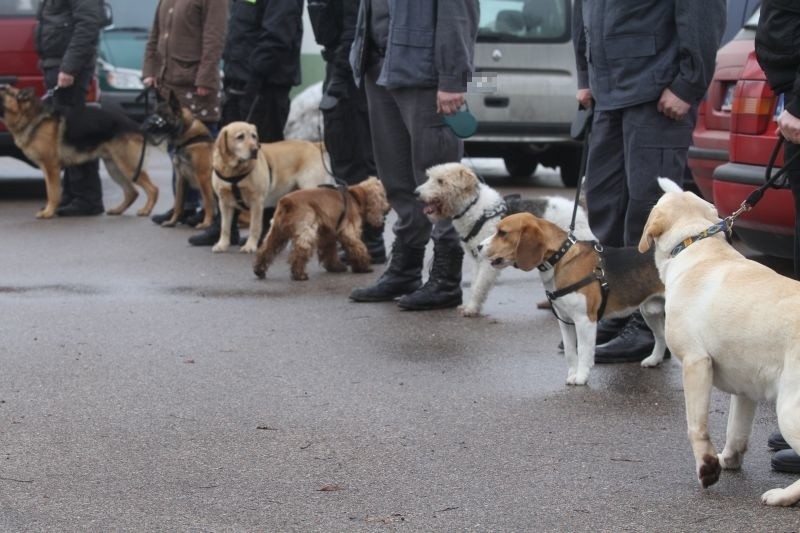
point(653, 228)
point(530, 246)
point(222, 146)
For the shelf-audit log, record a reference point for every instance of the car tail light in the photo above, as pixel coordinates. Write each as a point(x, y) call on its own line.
point(752, 107)
point(94, 91)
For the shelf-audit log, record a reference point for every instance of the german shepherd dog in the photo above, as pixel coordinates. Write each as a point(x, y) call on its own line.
point(53, 139)
point(191, 146)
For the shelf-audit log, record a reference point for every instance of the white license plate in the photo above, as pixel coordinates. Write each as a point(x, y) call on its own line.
point(727, 101)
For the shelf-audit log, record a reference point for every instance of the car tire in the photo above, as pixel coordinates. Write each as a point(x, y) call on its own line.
point(520, 165)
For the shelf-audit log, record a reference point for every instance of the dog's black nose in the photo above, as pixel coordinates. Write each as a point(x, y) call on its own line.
point(254, 153)
point(416, 193)
point(480, 247)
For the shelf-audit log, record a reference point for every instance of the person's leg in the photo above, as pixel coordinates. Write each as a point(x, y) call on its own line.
point(432, 143)
point(83, 191)
point(786, 459)
point(391, 143)
point(605, 186)
point(349, 146)
point(654, 146)
point(271, 112)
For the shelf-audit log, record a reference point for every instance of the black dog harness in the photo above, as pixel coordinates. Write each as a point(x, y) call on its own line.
point(488, 214)
point(598, 274)
point(234, 183)
point(342, 188)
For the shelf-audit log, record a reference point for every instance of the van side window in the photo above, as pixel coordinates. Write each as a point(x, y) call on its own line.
point(524, 20)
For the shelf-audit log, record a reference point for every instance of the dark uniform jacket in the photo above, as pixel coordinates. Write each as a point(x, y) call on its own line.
point(430, 44)
point(67, 32)
point(263, 41)
point(778, 49)
point(629, 51)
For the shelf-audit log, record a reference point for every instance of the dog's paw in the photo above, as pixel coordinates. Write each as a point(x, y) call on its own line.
point(708, 473)
point(730, 460)
point(169, 223)
point(469, 310)
point(143, 212)
point(219, 248)
point(779, 497)
point(577, 377)
point(299, 276)
point(652, 361)
point(46, 213)
point(249, 248)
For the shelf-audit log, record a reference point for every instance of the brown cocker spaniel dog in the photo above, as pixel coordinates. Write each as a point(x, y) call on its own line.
point(318, 218)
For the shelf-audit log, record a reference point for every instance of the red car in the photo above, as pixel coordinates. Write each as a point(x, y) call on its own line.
point(769, 227)
point(710, 139)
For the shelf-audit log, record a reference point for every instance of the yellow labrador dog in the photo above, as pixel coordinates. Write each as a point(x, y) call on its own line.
point(253, 176)
point(733, 323)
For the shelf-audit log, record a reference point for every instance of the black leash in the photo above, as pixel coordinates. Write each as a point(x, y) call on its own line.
point(581, 130)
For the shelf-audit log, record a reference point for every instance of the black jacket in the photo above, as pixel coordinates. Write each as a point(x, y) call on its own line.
point(263, 41)
point(67, 32)
point(778, 49)
point(334, 25)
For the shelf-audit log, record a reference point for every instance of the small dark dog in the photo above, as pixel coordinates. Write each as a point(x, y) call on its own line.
point(190, 145)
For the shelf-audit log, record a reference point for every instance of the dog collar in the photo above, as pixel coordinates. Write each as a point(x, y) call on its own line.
point(488, 214)
point(721, 226)
point(237, 193)
point(598, 275)
point(551, 261)
point(464, 212)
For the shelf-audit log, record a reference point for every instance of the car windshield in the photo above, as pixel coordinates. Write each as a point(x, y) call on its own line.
point(524, 20)
point(18, 8)
point(129, 14)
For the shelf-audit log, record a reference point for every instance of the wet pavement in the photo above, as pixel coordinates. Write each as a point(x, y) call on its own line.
point(150, 385)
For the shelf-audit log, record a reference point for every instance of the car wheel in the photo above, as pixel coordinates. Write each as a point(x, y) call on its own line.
point(520, 165)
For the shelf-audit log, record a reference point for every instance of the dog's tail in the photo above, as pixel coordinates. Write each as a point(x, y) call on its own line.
point(668, 185)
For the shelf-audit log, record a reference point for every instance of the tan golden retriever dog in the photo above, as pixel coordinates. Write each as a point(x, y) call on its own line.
point(53, 139)
point(734, 324)
point(252, 176)
point(319, 218)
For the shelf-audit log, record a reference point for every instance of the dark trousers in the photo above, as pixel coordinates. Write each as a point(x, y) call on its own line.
point(629, 148)
point(793, 173)
point(347, 135)
point(407, 138)
point(80, 182)
point(269, 114)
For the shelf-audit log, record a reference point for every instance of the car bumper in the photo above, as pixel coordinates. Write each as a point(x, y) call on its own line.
point(703, 162)
point(769, 226)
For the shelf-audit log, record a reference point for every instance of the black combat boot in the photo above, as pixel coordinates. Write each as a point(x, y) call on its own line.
point(402, 276)
point(210, 235)
point(443, 288)
point(633, 343)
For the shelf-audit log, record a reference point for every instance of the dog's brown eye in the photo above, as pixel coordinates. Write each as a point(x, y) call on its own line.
point(501, 233)
point(440, 182)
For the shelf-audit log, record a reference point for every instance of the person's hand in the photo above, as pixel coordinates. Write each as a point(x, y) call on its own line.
point(149, 82)
point(789, 126)
point(584, 97)
point(671, 106)
point(448, 103)
point(203, 91)
point(65, 80)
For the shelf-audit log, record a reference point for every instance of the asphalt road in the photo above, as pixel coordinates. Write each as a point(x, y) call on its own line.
point(149, 385)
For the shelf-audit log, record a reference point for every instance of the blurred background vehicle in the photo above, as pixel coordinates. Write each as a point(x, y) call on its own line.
point(769, 227)
point(523, 89)
point(712, 131)
point(120, 55)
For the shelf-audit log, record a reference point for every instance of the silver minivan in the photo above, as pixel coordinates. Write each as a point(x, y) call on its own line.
point(523, 90)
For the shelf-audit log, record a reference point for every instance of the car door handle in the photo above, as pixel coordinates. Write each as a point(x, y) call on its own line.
point(496, 101)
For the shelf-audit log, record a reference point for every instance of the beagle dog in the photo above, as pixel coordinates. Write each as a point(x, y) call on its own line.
point(584, 283)
point(733, 323)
